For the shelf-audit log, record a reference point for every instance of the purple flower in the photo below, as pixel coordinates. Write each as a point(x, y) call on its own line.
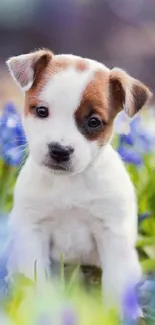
point(66, 317)
point(12, 137)
point(130, 304)
point(69, 317)
point(44, 320)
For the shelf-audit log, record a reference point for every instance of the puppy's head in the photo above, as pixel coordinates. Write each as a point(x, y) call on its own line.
point(70, 106)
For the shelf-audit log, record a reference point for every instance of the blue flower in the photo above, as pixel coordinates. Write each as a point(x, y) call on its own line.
point(146, 298)
point(127, 139)
point(12, 137)
point(134, 139)
point(143, 296)
point(130, 156)
point(143, 216)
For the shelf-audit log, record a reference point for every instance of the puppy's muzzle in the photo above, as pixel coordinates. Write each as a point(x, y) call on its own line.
point(60, 154)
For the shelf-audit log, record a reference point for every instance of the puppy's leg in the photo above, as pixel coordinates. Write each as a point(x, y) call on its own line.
point(121, 268)
point(29, 254)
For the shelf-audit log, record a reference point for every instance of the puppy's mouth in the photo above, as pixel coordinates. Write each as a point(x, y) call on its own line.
point(58, 167)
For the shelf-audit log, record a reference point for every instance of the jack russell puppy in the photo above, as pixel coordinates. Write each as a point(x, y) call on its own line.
point(74, 190)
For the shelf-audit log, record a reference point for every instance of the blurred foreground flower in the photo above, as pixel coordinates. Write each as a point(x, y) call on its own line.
point(64, 302)
point(134, 140)
point(130, 306)
point(5, 249)
point(4, 320)
point(143, 216)
point(146, 298)
point(57, 306)
point(12, 137)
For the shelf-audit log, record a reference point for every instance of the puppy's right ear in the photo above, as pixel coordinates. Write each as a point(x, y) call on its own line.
point(127, 92)
point(26, 67)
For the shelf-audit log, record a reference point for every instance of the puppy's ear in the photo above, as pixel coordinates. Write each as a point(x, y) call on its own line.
point(127, 93)
point(26, 68)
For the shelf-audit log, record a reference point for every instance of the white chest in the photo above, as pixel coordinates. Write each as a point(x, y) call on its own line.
point(70, 234)
point(70, 209)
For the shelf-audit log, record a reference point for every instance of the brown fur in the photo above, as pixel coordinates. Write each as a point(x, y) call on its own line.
point(105, 95)
point(81, 65)
point(128, 92)
point(43, 73)
point(95, 98)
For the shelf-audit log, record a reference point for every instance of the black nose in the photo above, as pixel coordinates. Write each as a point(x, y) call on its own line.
point(60, 153)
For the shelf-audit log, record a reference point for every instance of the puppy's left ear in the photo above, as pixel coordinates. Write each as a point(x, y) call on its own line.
point(26, 68)
point(127, 93)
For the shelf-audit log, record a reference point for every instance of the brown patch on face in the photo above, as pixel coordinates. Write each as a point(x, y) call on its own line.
point(95, 102)
point(43, 73)
point(40, 66)
point(81, 65)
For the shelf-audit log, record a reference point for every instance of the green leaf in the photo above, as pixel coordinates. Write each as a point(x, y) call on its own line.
point(148, 265)
point(74, 278)
point(145, 241)
point(20, 280)
point(62, 271)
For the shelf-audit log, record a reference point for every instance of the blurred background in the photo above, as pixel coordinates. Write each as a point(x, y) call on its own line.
point(115, 32)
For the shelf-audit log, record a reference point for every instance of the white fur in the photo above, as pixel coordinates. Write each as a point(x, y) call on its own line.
point(18, 64)
point(62, 95)
point(93, 64)
point(28, 86)
point(90, 213)
point(90, 218)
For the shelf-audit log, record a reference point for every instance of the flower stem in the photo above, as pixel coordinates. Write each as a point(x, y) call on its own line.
point(6, 175)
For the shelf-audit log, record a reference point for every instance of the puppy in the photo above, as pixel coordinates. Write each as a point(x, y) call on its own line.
point(74, 190)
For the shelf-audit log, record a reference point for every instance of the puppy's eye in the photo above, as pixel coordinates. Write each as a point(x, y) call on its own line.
point(42, 111)
point(94, 122)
